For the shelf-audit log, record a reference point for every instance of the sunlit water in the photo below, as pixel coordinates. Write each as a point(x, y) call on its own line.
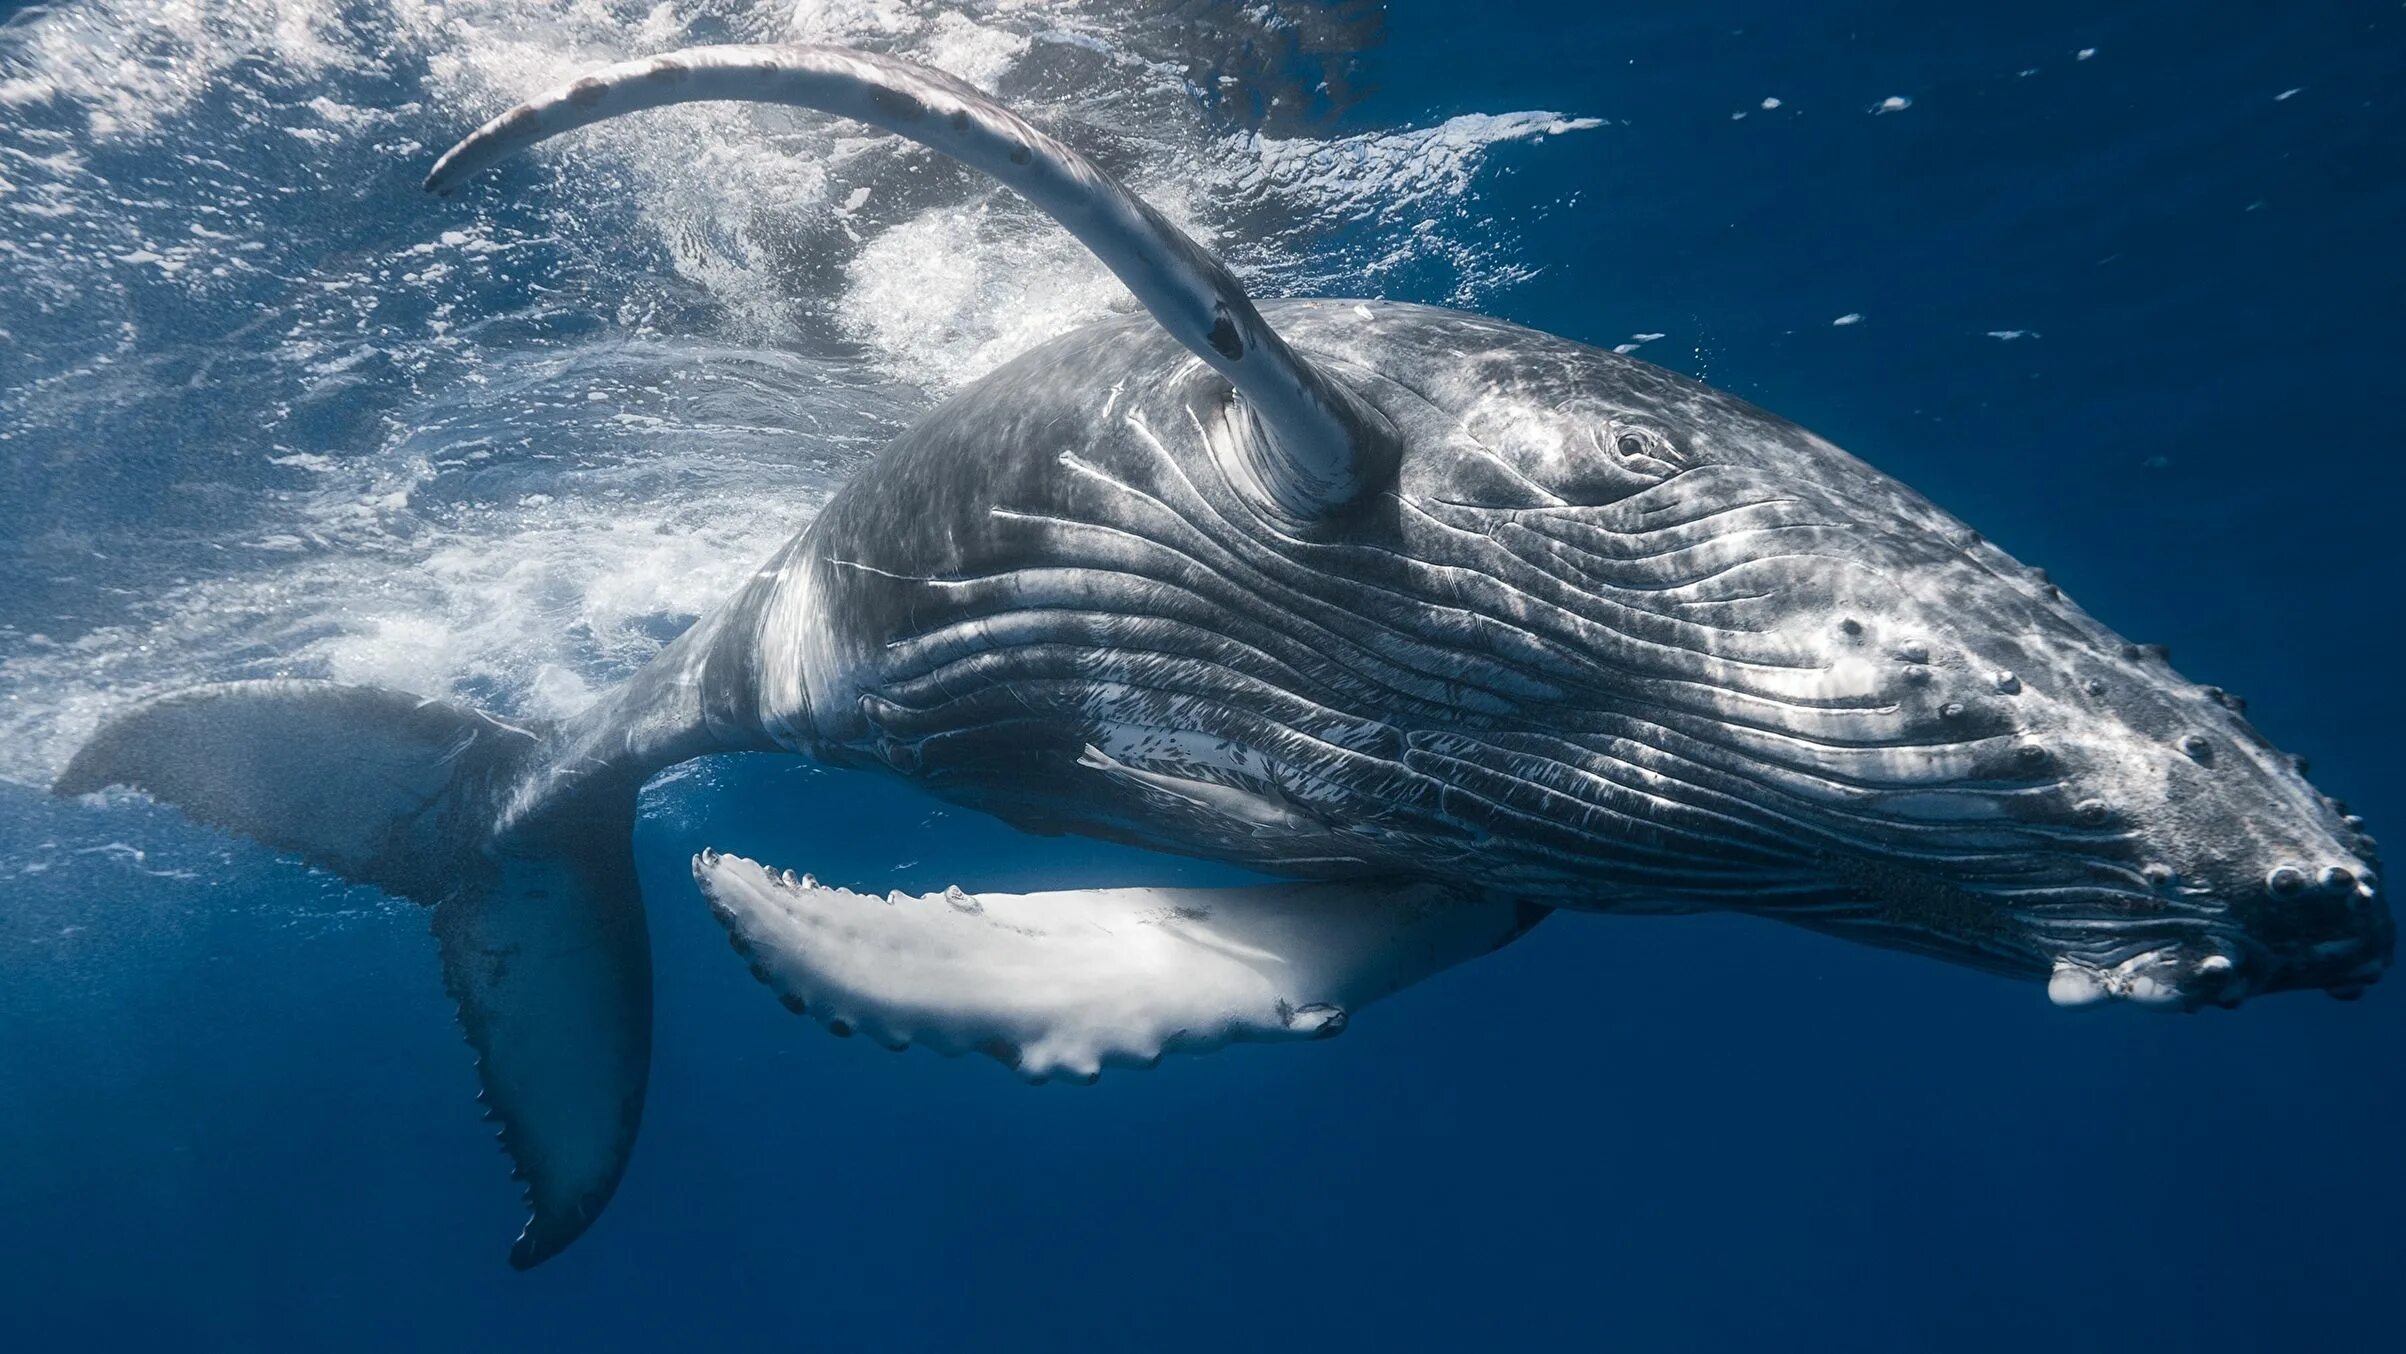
point(2118, 287)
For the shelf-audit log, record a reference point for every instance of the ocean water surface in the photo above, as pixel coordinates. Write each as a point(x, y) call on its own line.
point(2117, 283)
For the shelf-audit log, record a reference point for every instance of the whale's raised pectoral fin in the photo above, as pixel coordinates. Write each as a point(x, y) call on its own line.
point(1314, 447)
point(1061, 984)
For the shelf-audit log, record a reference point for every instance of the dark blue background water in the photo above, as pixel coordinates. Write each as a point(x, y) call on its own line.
point(230, 1124)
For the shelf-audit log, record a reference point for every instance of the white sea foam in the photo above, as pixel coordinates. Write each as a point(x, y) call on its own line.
point(949, 295)
point(1388, 174)
point(131, 65)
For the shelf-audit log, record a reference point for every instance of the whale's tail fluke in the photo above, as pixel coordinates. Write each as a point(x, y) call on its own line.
point(536, 910)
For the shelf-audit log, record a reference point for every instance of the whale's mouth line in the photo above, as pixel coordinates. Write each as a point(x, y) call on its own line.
point(2090, 944)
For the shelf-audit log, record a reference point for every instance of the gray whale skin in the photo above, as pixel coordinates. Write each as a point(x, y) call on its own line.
point(1448, 623)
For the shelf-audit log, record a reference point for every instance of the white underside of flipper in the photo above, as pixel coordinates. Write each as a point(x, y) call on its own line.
point(2153, 978)
point(1062, 984)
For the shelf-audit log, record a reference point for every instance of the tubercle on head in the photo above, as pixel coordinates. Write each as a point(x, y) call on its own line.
point(2161, 783)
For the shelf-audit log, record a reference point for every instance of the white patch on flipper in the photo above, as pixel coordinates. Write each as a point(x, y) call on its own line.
point(2150, 979)
point(2073, 985)
point(1063, 983)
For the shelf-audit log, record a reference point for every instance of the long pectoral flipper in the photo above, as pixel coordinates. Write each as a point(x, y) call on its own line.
point(1320, 447)
point(1063, 983)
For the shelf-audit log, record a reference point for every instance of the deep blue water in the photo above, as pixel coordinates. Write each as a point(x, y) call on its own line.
point(234, 1111)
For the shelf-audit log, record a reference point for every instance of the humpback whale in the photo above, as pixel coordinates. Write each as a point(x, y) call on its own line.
point(1444, 624)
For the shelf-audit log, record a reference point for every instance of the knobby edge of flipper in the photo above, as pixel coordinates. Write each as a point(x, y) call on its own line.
point(1309, 448)
point(539, 922)
point(1061, 985)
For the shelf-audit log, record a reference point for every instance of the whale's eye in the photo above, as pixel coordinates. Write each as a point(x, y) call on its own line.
point(1638, 450)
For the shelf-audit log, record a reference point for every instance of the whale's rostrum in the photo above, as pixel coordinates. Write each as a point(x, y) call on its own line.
point(1451, 623)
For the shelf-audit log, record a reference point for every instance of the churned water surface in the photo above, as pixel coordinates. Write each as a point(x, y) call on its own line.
point(2117, 284)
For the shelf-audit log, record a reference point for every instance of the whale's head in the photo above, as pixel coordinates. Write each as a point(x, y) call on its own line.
point(1812, 694)
point(2076, 804)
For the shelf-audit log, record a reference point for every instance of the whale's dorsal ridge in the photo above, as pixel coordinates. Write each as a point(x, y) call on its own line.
point(1320, 448)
